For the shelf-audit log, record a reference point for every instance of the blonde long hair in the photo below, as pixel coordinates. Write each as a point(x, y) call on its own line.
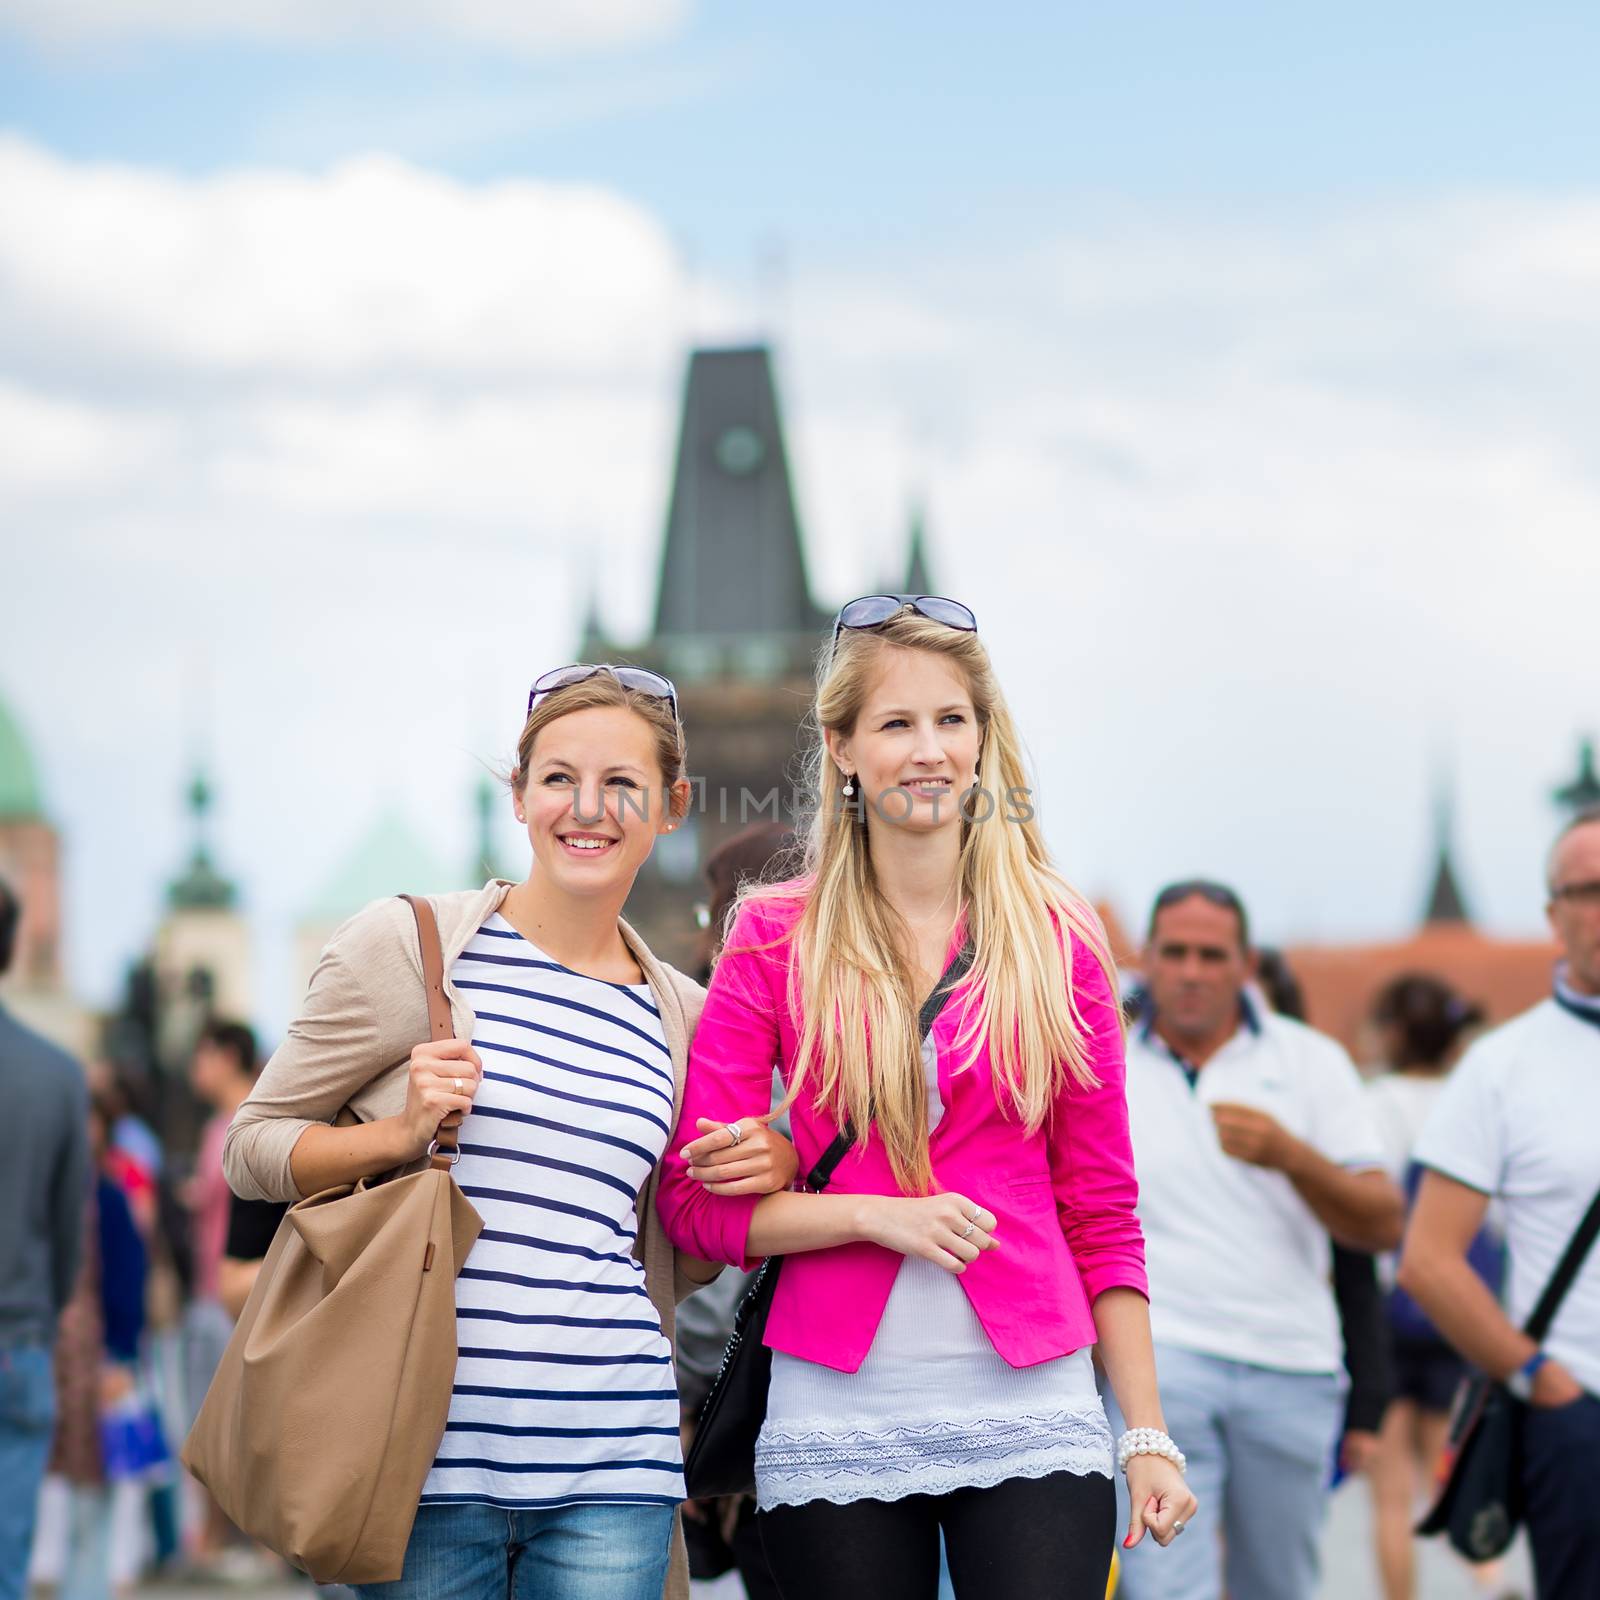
point(849, 980)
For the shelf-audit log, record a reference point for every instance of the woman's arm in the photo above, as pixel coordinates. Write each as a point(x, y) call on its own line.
point(947, 1229)
point(736, 1044)
point(1157, 1495)
point(325, 1157)
point(1091, 1165)
point(336, 1046)
point(1091, 1152)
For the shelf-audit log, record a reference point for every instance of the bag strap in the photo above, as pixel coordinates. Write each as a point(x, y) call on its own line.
point(1572, 1259)
point(960, 964)
point(440, 1023)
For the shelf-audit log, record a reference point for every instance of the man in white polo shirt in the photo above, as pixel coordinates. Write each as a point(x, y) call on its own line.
point(1253, 1143)
point(1519, 1120)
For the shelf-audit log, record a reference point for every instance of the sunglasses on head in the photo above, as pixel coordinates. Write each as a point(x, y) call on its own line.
point(636, 678)
point(873, 610)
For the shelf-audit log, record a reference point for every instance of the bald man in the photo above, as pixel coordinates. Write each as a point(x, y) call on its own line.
point(1519, 1121)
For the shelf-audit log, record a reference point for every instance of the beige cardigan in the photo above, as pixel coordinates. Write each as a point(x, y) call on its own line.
point(349, 1052)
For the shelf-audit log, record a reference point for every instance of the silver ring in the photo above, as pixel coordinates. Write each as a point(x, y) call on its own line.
point(1177, 1527)
point(972, 1222)
point(735, 1132)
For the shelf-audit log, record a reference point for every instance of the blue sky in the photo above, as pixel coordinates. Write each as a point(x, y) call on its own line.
point(844, 129)
point(1246, 358)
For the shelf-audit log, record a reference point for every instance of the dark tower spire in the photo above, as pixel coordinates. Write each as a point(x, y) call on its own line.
point(732, 564)
point(1446, 903)
point(917, 577)
point(200, 887)
point(592, 642)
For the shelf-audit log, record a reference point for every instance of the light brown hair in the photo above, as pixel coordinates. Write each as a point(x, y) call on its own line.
point(603, 689)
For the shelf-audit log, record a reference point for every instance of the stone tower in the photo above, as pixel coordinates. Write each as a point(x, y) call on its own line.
point(735, 628)
point(30, 861)
point(202, 945)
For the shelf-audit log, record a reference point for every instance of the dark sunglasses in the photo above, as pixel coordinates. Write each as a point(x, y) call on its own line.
point(1579, 894)
point(636, 678)
point(873, 610)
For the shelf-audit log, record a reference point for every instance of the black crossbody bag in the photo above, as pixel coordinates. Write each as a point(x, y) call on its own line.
point(1480, 1506)
point(722, 1458)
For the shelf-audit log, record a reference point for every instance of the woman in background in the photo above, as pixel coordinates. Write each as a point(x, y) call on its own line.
point(1422, 1025)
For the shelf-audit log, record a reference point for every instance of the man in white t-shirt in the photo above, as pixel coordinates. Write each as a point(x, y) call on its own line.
point(1254, 1142)
point(1519, 1120)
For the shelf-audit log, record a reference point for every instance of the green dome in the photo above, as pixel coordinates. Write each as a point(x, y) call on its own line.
point(390, 859)
point(19, 782)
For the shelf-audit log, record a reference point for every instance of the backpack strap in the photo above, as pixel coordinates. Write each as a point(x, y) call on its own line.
point(1572, 1259)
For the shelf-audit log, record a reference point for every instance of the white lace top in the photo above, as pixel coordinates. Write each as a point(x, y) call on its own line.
point(933, 1407)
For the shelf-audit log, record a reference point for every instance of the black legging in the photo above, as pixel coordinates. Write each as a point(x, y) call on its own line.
point(1025, 1539)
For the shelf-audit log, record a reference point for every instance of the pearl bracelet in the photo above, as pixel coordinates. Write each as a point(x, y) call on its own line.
point(1148, 1442)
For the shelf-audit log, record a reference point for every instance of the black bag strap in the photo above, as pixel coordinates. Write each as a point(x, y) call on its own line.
point(1572, 1259)
point(960, 965)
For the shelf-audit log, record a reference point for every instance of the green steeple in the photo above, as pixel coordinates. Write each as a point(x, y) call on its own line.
point(200, 887)
point(487, 864)
point(1581, 793)
point(19, 780)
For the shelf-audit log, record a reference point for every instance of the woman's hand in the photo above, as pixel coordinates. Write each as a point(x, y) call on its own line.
point(947, 1229)
point(1158, 1499)
point(759, 1162)
point(444, 1077)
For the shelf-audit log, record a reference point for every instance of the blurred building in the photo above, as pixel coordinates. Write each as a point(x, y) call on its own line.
point(1503, 976)
point(35, 988)
point(736, 628)
point(390, 858)
point(201, 954)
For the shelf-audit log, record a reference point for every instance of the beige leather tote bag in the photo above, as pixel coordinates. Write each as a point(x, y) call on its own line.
point(325, 1415)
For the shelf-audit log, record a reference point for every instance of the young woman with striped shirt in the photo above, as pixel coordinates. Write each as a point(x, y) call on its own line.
point(560, 1470)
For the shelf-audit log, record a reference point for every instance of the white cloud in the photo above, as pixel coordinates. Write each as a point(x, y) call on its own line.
point(51, 447)
point(374, 267)
point(533, 27)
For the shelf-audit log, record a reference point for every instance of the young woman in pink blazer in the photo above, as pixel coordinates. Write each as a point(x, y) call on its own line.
point(931, 1330)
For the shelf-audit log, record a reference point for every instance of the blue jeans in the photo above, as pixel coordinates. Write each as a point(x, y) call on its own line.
point(27, 1423)
point(1260, 1444)
point(482, 1552)
point(1558, 1451)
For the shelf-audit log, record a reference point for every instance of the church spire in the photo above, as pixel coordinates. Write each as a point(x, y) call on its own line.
point(592, 641)
point(487, 865)
point(733, 564)
point(1446, 903)
point(200, 887)
point(1584, 790)
point(917, 577)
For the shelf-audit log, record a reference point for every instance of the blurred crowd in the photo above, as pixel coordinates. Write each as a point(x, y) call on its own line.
point(127, 1276)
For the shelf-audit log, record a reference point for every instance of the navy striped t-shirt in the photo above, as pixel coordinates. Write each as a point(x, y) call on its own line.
point(564, 1389)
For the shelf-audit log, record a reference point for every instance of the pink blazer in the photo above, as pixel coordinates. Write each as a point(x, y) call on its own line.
point(1064, 1197)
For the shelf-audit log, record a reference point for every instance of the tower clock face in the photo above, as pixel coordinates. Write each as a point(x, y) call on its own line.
point(740, 450)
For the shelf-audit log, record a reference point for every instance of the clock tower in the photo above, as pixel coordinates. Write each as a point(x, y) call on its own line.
point(735, 629)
